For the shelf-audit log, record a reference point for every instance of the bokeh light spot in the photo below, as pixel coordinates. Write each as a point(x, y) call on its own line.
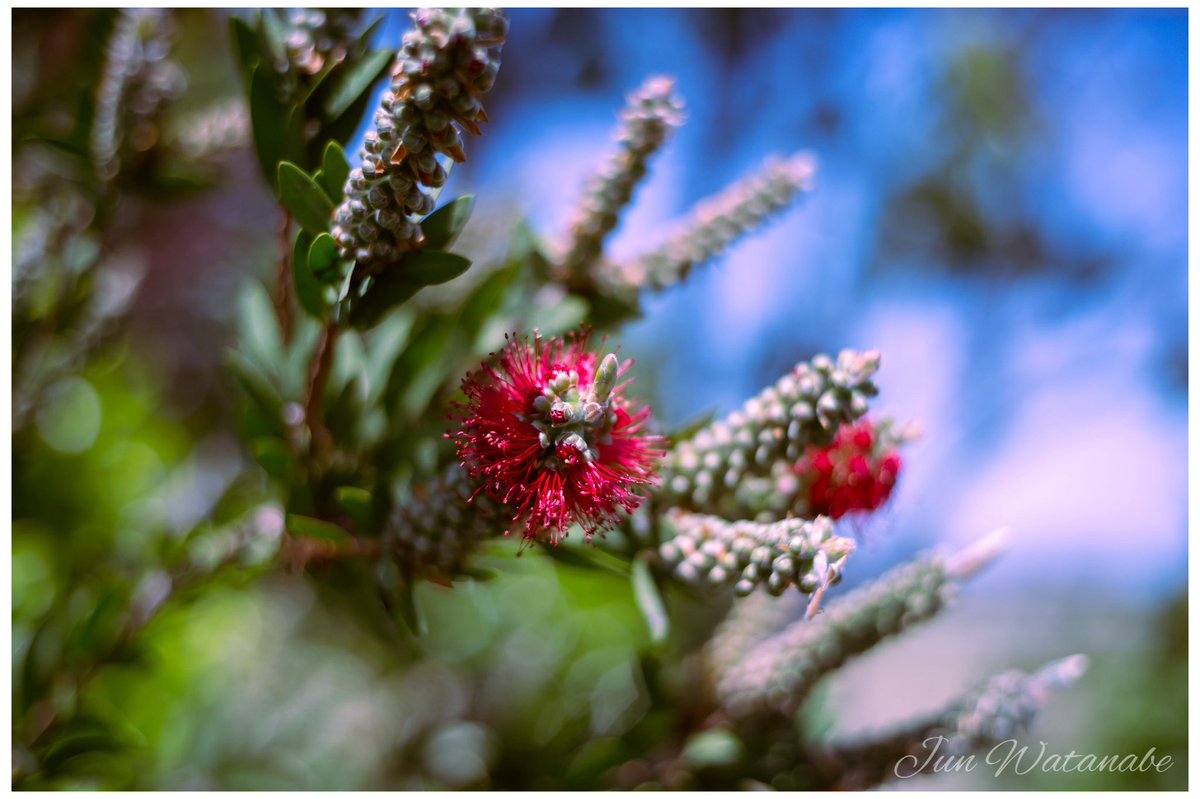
point(70, 420)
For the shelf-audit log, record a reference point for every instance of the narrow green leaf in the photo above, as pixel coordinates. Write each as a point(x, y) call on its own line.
point(385, 346)
point(256, 384)
point(304, 199)
point(308, 527)
point(245, 47)
point(312, 293)
point(324, 260)
point(345, 412)
point(272, 36)
point(258, 328)
point(442, 227)
point(268, 122)
point(349, 86)
point(295, 147)
point(649, 600)
point(423, 366)
point(395, 287)
point(386, 292)
point(432, 267)
point(335, 171)
point(364, 40)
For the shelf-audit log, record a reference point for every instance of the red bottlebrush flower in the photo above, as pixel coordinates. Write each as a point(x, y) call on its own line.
point(546, 432)
point(855, 474)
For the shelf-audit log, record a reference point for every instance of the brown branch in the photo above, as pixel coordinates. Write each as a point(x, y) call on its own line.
point(318, 377)
point(283, 281)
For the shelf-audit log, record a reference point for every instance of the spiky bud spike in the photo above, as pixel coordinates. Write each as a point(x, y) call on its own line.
point(779, 672)
point(652, 112)
point(804, 408)
point(448, 61)
point(716, 224)
point(997, 711)
point(707, 551)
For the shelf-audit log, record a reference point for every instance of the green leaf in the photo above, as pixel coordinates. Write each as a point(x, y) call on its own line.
point(649, 600)
point(312, 293)
point(308, 527)
point(353, 84)
point(443, 225)
point(257, 387)
point(397, 286)
point(432, 267)
point(585, 557)
point(245, 47)
point(384, 347)
point(268, 122)
point(273, 36)
point(345, 411)
point(364, 40)
point(385, 293)
point(272, 456)
point(304, 199)
point(418, 372)
point(357, 502)
point(324, 261)
point(295, 147)
point(336, 171)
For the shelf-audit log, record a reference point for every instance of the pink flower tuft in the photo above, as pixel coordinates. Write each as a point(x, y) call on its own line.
point(855, 474)
point(546, 433)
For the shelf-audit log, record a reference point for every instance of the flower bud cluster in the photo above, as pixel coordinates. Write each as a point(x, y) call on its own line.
point(778, 673)
point(573, 423)
point(653, 111)
point(318, 37)
point(434, 533)
point(719, 222)
point(707, 551)
point(1001, 709)
point(445, 66)
point(803, 409)
point(138, 78)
